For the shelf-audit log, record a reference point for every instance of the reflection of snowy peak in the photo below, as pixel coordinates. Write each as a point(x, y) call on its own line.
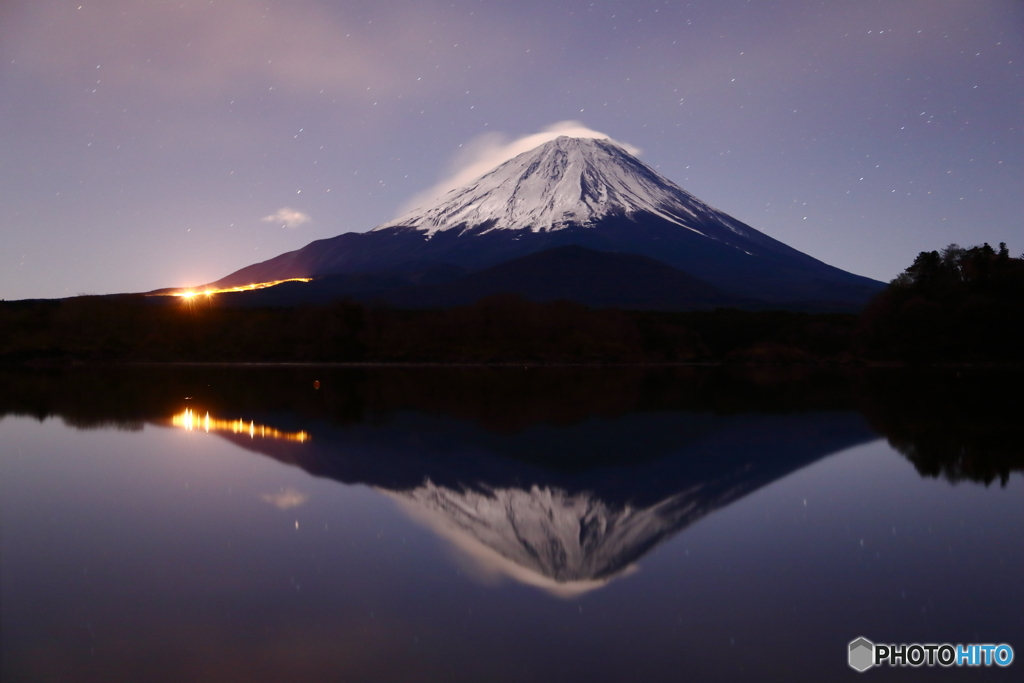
point(569, 508)
point(567, 539)
point(565, 182)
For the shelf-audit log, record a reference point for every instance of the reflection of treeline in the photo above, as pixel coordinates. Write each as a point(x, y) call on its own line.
point(957, 424)
point(503, 399)
point(960, 425)
point(502, 328)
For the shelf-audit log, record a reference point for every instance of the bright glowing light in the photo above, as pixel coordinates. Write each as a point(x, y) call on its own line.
point(189, 293)
point(188, 421)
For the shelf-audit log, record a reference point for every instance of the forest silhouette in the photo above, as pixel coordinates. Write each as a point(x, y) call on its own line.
point(960, 305)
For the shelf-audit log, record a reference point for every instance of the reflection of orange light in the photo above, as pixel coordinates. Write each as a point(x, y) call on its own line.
point(189, 293)
point(189, 422)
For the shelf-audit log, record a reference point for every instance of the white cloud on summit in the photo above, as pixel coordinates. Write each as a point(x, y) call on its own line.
point(288, 218)
point(487, 151)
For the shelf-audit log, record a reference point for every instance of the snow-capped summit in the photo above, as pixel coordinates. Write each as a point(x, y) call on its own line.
point(566, 182)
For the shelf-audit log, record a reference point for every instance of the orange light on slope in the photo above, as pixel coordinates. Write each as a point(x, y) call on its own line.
point(188, 421)
point(190, 293)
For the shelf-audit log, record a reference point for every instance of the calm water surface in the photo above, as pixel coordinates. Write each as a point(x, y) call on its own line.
point(218, 524)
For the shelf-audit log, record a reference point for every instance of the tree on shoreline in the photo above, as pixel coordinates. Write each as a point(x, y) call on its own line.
point(955, 305)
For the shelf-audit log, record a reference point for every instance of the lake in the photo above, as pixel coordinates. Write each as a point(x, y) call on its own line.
point(312, 523)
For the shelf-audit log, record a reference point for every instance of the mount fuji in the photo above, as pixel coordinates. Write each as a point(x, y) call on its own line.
point(581, 192)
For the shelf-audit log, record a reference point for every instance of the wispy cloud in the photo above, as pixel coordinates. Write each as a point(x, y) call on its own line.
point(288, 218)
point(192, 52)
point(487, 151)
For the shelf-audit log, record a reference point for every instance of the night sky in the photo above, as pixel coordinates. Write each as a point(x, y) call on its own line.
point(153, 144)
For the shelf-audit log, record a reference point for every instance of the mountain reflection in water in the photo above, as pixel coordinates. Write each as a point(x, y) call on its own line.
point(567, 529)
point(559, 478)
point(173, 555)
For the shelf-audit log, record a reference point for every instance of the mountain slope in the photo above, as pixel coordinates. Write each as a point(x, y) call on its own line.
point(575, 273)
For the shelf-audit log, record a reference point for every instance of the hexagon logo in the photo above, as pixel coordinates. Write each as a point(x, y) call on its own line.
point(862, 654)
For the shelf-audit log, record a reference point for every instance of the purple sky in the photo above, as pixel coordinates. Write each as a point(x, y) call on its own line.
point(144, 144)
